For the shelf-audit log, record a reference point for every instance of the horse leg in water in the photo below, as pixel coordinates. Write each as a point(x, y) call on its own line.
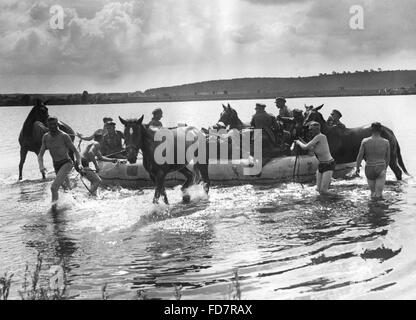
point(203, 170)
point(188, 180)
point(23, 154)
point(160, 186)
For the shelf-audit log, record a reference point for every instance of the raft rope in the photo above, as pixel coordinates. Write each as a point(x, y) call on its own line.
point(296, 170)
point(81, 174)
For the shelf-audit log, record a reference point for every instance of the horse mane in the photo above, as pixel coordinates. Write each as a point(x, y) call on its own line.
point(236, 117)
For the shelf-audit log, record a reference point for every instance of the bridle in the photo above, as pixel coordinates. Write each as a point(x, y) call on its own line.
point(130, 146)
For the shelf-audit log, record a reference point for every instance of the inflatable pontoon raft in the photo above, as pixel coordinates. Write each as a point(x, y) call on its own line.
point(277, 170)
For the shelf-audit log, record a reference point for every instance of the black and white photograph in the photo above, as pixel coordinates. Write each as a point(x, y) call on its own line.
point(228, 151)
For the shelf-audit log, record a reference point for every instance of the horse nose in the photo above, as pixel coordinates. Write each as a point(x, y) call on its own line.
point(132, 158)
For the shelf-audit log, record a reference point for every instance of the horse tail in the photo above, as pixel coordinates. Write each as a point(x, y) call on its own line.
point(400, 160)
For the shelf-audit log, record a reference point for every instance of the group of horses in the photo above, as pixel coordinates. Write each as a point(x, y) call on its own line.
point(344, 145)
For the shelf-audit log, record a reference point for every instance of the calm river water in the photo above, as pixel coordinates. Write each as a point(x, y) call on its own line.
point(285, 240)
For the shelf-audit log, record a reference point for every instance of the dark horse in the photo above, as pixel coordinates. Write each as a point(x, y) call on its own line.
point(138, 137)
point(344, 143)
point(273, 146)
point(229, 117)
point(34, 127)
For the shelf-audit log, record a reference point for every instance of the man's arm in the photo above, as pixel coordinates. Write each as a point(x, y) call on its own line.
point(360, 157)
point(71, 147)
point(286, 119)
point(96, 152)
point(41, 153)
point(81, 137)
point(388, 155)
point(310, 145)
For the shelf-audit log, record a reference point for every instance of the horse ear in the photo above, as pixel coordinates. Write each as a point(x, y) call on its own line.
point(140, 120)
point(319, 108)
point(224, 107)
point(229, 107)
point(122, 120)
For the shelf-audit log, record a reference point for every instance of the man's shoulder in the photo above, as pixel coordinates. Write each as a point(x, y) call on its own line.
point(365, 141)
point(64, 135)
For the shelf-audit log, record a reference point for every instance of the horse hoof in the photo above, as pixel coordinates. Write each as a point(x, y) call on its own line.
point(20, 178)
point(186, 198)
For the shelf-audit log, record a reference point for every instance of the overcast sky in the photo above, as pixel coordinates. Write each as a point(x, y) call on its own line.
point(108, 46)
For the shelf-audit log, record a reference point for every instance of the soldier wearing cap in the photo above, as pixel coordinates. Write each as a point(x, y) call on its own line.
point(284, 111)
point(333, 119)
point(265, 121)
point(101, 132)
point(112, 141)
point(157, 115)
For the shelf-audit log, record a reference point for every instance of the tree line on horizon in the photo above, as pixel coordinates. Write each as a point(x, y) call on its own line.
point(366, 82)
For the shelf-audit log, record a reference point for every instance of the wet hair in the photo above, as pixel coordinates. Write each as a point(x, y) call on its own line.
point(107, 119)
point(337, 112)
point(156, 111)
point(52, 118)
point(376, 127)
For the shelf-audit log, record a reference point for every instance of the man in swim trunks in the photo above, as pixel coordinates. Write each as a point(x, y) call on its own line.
point(376, 151)
point(319, 144)
point(59, 144)
point(91, 153)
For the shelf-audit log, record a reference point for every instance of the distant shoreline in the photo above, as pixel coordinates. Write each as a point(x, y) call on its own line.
point(219, 98)
point(345, 84)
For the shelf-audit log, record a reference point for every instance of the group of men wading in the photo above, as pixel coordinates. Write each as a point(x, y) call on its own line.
point(106, 144)
point(103, 144)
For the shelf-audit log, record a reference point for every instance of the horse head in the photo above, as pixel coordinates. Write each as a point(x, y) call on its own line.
point(313, 114)
point(229, 117)
point(134, 132)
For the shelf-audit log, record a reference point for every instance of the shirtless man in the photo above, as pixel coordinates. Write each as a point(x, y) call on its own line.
point(319, 144)
point(59, 144)
point(376, 151)
point(91, 153)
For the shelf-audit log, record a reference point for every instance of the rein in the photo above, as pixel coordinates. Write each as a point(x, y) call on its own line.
point(296, 170)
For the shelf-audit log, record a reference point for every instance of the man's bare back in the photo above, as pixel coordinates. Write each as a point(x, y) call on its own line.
point(376, 150)
point(91, 151)
point(319, 145)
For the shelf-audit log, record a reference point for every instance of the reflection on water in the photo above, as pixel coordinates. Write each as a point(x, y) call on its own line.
point(285, 240)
